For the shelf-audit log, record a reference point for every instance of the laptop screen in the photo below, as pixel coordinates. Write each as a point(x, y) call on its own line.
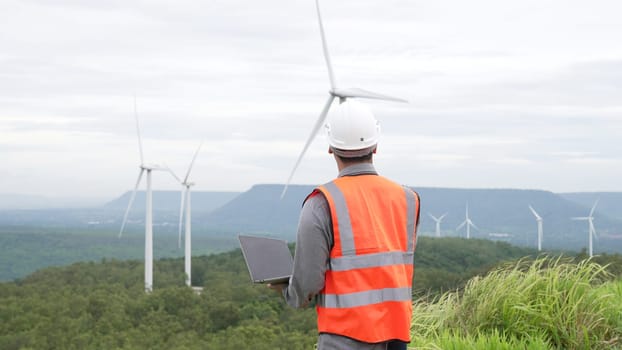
point(268, 259)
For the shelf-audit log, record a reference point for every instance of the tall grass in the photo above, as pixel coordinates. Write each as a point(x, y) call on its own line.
point(546, 303)
point(491, 341)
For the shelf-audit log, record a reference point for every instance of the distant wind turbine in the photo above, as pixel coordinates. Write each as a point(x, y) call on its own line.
point(539, 220)
point(438, 223)
point(144, 167)
point(334, 92)
point(185, 203)
point(467, 221)
point(591, 228)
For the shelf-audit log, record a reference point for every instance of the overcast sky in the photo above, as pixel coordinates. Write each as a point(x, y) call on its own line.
point(520, 94)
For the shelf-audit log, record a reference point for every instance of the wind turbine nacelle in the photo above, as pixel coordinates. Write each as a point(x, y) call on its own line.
point(341, 93)
point(153, 166)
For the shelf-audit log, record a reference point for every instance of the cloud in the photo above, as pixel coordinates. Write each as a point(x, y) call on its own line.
point(494, 88)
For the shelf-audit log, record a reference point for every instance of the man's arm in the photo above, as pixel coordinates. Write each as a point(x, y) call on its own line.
point(314, 240)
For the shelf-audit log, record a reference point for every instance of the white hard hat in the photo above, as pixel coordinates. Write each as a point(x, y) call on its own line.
point(352, 129)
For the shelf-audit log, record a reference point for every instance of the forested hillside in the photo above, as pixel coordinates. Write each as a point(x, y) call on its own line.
point(102, 305)
point(24, 250)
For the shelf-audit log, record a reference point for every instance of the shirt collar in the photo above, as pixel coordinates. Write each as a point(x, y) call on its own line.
point(358, 169)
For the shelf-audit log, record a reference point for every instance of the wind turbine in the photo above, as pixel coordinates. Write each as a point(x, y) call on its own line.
point(185, 203)
point(334, 92)
point(438, 223)
point(145, 167)
point(591, 228)
point(467, 221)
point(539, 220)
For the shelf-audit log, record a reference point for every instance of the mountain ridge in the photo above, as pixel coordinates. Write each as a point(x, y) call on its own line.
point(498, 213)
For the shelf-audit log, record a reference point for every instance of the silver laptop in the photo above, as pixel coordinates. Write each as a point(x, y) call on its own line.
point(268, 259)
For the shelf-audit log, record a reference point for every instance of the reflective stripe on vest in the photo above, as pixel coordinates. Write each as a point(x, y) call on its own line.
point(411, 203)
point(351, 262)
point(367, 297)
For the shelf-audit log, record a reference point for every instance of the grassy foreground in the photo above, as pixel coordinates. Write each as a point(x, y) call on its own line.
point(549, 303)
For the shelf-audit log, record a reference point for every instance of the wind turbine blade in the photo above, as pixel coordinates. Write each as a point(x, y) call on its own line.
point(331, 76)
point(317, 126)
point(593, 208)
point(140, 142)
point(360, 93)
point(593, 229)
point(534, 213)
point(461, 225)
point(129, 206)
point(433, 217)
point(192, 163)
point(473, 225)
point(170, 171)
point(181, 215)
point(442, 216)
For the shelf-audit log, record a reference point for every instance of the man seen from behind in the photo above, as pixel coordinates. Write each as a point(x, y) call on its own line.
point(355, 244)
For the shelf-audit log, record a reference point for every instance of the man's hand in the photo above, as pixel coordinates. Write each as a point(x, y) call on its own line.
point(279, 287)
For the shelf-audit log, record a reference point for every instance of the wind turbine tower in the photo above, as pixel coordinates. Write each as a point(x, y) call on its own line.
point(438, 223)
point(467, 221)
point(539, 220)
point(144, 167)
point(334, 92)
point(591, 228)
point(186, 204)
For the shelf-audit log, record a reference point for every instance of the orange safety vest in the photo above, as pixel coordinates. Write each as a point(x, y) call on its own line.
point(367, 294)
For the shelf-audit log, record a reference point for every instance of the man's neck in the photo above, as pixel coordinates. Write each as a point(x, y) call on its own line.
point(359, 168)
point(342, 165)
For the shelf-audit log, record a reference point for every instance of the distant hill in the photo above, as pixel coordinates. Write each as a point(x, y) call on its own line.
point(109, 215)
point(494, 211)
point(507, 211)
point(500, 214)
point(261, 210)
point(609, 203)
point(170, 200)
